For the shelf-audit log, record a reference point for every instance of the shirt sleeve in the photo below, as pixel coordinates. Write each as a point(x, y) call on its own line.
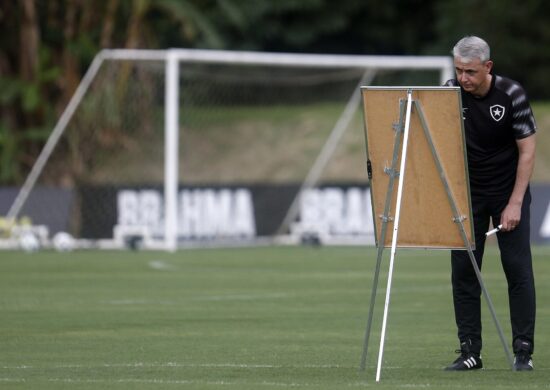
point(523, 120)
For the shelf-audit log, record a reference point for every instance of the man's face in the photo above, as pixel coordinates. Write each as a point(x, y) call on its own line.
point(473, 76)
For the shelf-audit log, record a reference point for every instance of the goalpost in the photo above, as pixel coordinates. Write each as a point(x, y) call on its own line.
point(161, 129)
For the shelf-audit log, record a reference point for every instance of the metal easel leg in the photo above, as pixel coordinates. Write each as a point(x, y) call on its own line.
point(363, 364)
point(392, 172)
point(489, 302)
point(395, 231)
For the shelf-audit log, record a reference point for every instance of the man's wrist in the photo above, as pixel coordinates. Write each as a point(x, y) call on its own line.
point(515, 202)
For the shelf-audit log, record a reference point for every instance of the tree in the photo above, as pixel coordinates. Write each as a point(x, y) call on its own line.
point(56, 41)
point(518, 33)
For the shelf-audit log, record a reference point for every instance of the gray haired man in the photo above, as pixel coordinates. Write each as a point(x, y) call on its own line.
point(500, 139)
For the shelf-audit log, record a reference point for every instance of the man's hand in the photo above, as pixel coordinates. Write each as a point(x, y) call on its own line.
point(510, 217)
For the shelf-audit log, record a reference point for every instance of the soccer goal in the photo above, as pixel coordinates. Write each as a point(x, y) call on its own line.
point(171, 148)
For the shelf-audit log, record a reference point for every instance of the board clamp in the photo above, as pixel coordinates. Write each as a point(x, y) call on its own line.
point(391, 172)
point(369, 169)
point(398, 127)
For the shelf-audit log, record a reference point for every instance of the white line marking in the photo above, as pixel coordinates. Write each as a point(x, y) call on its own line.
point(182, 365)
point(161, 265)
point(198, 382)
point(139, 302)
point(361, 384)
point(214, 298)
point(178, 382)
point(241, 297)
point(216, 365)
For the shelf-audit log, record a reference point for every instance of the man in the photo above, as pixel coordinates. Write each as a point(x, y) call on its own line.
point(500, 139)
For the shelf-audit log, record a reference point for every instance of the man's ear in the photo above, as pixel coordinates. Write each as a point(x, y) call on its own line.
point(488, 65)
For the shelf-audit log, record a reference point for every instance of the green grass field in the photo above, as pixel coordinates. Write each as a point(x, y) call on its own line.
point(261, 318)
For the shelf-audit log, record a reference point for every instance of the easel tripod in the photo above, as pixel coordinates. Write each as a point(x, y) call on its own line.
point(402, 130)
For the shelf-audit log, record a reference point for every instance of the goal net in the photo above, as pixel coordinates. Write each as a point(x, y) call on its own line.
point(164, 149)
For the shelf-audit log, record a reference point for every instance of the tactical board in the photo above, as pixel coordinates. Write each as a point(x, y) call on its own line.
point(426, 218)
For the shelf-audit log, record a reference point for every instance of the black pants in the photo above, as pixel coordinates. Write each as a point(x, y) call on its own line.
point(515, 253)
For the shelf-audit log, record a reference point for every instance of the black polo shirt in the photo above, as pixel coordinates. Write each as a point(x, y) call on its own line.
point(492, 125)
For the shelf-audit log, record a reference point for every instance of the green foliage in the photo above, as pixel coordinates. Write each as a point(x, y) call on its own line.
point(25, 100)
point(8, 151)
point(9, 90)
